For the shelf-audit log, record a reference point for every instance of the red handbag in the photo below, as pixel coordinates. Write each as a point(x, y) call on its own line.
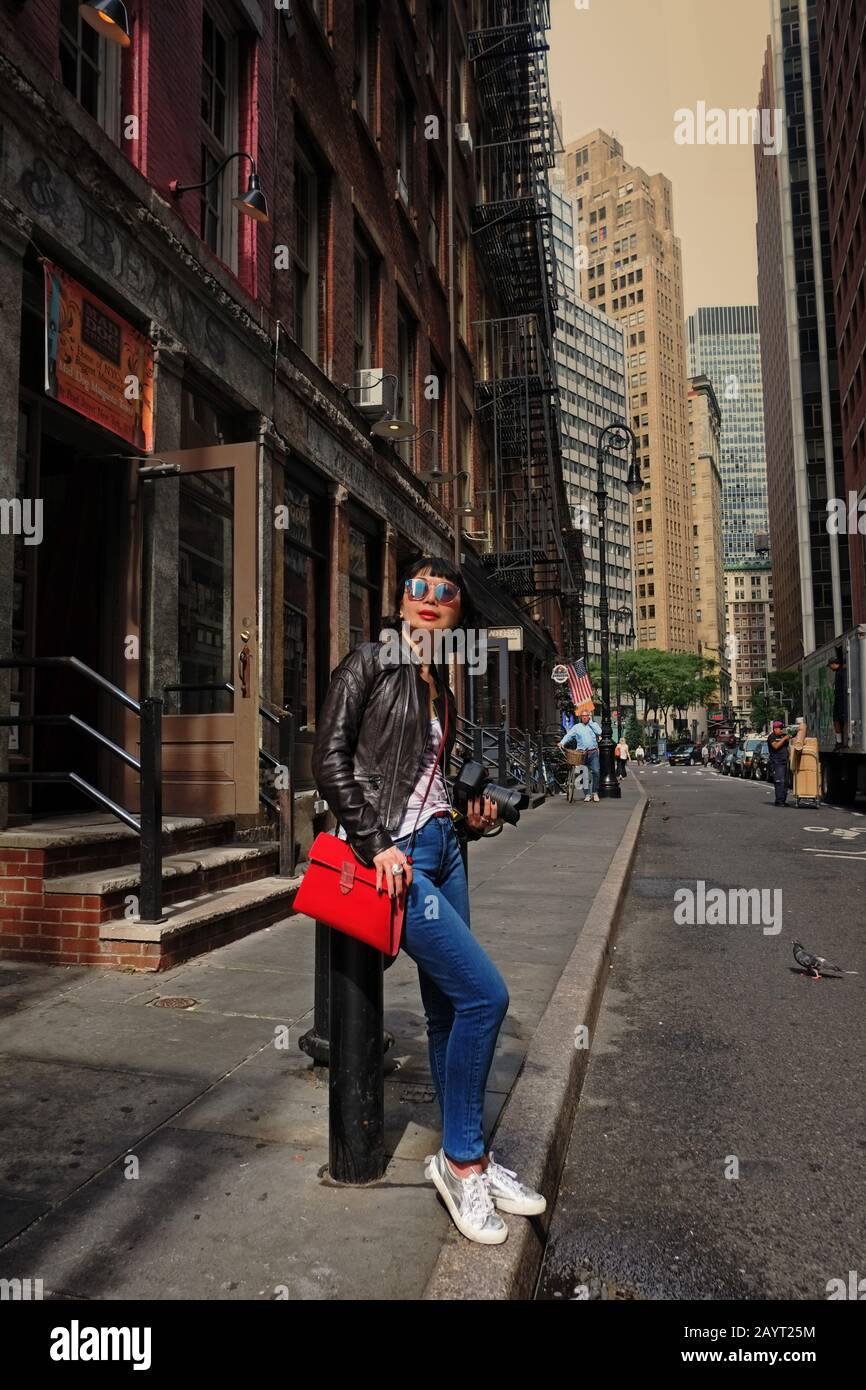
point(340, 891)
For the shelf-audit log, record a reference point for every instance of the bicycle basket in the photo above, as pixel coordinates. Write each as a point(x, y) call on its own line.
point(574, 756)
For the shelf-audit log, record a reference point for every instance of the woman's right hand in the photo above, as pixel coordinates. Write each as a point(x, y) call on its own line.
point(385, 863)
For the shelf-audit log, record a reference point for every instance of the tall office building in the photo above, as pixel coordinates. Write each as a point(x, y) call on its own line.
point(633, 273)
point(590, 365)
point(803, 427)
point(749, 619)
point(708, 577)
point(842, 44)
point(724, 345)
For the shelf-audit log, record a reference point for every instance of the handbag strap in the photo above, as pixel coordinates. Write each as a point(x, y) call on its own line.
point(429, 781)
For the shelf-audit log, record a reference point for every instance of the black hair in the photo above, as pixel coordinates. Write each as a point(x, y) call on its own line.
point(435, 564)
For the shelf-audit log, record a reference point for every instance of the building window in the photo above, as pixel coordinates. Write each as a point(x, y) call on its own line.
point(465, 445)
point(404, 127)
point(365, 581)
point(365, 295)
point(90, 68)
point(435, 46)
point(306, 628)
point(458, 81)
point(435, 187)
point(362, 86)
point(461, 273)
point(306, 256)
point(218, 219)
point(405, 363)
point(437, 412)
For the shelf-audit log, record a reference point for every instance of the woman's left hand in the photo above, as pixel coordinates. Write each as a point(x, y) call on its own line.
point(481, 817)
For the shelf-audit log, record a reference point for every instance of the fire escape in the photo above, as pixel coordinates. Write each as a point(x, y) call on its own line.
point(516, 396)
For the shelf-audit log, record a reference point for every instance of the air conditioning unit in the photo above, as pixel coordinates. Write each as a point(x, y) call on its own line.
point(375, 394)
point(464, 136)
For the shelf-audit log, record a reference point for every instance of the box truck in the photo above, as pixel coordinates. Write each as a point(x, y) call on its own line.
point(827, 693)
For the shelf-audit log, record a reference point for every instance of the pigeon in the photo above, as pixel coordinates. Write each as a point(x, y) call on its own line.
point(810, 963)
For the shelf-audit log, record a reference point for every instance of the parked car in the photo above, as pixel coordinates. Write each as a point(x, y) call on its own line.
point(751, 748)
point(685, 754)
point(762, 763)
point(733, 763)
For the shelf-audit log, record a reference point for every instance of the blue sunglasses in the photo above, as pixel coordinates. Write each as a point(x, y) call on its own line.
point(443, 592)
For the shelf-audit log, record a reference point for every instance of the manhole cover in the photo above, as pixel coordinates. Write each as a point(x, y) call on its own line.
point(174, 1001)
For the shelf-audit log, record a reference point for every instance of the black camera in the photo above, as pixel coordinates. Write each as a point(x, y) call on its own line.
point(472, 781)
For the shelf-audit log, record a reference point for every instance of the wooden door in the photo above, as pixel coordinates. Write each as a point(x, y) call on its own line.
point(200, 631)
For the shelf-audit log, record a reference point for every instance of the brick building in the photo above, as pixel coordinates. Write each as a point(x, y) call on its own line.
point(842, 46)
point(220, 506)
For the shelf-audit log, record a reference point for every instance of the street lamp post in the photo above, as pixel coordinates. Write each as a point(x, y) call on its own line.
point(622, 615)
point(620, 435)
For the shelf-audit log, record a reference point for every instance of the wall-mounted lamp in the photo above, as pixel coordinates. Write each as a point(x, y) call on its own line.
point(110, 19)
point(253, 203)
point(394, 429)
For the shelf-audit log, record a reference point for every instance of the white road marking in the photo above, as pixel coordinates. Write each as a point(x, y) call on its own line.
point(837, 853)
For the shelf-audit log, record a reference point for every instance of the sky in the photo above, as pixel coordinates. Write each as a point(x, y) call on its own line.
point(628, 66)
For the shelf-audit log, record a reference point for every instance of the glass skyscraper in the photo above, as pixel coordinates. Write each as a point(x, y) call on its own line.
point(590, 366)
point(724, 344)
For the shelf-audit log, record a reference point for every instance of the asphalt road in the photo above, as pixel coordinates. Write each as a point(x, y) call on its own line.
point(714, 1055)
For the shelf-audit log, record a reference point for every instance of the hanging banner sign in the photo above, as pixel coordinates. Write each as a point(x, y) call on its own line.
point(559, 674)
point(95, 362)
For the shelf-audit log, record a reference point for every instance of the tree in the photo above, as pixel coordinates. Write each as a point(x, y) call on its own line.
point(781, 698)
point(633, 732)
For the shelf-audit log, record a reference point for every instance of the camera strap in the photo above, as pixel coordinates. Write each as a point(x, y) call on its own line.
point(429, 781)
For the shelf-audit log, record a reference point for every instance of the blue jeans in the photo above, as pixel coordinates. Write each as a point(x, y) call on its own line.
point(465, 997)
point(591, 761)
point(780, 779)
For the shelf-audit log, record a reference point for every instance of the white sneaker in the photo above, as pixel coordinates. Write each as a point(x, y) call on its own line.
point(587, 798)
point(595, 796)
point(468, 1200)
point(510, 1195)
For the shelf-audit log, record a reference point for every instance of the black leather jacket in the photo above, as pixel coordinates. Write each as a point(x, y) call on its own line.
point(371, 733)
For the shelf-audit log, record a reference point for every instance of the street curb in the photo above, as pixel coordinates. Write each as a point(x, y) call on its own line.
point(535, 1126)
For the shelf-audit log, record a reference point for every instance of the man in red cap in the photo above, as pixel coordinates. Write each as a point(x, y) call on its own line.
point(777, 743)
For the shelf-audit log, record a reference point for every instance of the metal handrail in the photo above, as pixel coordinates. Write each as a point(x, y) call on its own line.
point(11, 663)
point(13, 720)
point(75, 780)
point(148, 825)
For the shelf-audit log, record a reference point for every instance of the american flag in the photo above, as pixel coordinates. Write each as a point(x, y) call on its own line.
point(580, 686)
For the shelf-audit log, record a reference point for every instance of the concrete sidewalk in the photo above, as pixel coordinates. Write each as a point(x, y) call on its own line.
point(156, 1153)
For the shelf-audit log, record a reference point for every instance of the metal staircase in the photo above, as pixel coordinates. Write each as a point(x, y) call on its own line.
point(516, 394)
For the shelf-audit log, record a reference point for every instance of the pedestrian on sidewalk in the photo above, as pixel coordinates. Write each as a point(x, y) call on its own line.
point(777, 742)
point(623, 758)
point(378, 736)
point(640, 755)
point(705, 754)
point(585, 735)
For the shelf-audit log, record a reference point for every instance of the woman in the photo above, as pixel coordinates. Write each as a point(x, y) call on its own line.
point(379, 732)
point(623, 757)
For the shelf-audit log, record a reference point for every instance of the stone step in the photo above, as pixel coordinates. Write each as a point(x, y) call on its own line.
point(197, 925)
point(125, 877)
point(66, 846)
point(92, 829)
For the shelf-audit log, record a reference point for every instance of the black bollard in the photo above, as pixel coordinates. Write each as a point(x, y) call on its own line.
point(356, 1080)
point(315, 1041)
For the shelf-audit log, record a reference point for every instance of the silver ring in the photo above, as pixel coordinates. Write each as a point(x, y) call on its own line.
point(397, 869)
